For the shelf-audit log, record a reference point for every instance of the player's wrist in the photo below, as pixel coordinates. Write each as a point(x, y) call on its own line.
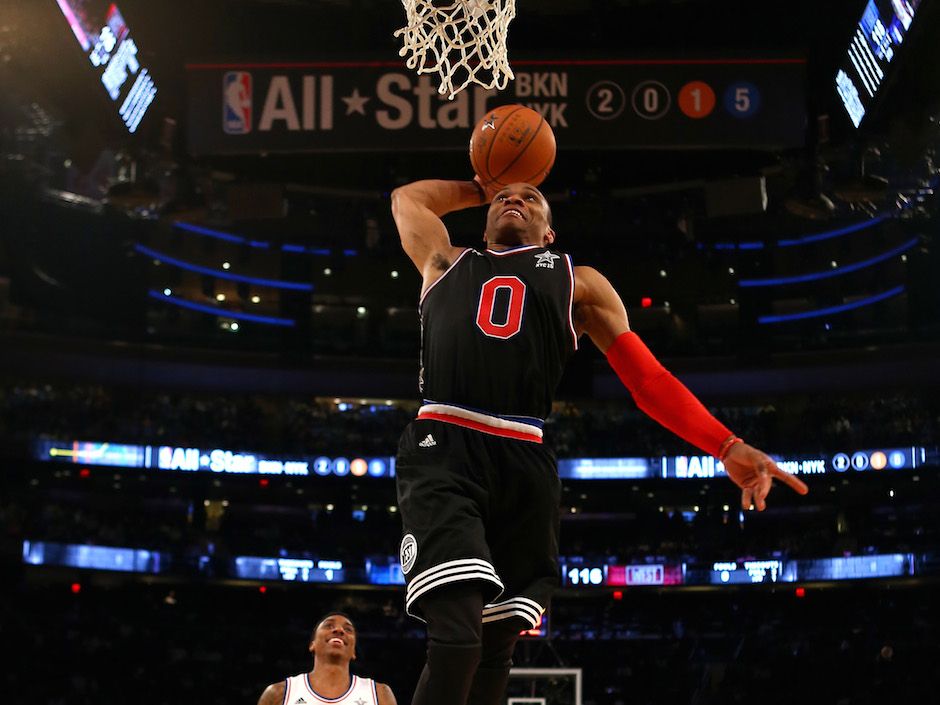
point(482, 192)
point(726, 445)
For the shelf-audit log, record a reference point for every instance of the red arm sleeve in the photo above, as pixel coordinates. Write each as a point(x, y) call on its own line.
point(664, 398)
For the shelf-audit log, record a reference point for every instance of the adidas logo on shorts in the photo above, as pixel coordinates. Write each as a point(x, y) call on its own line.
point(428, 442)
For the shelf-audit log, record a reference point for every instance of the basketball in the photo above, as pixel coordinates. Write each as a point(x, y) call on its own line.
point(512, 143)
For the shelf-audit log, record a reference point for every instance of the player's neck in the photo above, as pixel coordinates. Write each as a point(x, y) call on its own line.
point(331, 680)
point(502, 246)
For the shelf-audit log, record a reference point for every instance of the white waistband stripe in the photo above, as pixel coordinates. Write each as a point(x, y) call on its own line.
point(485, 419)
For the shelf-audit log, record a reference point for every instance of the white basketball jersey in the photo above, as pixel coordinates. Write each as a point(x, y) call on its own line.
point(299, 692)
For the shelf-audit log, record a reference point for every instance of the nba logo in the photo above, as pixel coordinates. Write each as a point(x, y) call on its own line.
point(236, 103)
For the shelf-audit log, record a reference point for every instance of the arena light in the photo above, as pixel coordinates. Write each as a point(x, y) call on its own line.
point(834, 268)
point(203, 308)
point(218, 273)
point(829, 310)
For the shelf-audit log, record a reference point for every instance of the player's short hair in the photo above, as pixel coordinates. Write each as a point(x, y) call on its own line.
point(334, 613)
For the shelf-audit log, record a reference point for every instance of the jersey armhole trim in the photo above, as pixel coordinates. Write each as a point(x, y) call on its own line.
point(574, 333)
point(443, 274)
point(286, 690)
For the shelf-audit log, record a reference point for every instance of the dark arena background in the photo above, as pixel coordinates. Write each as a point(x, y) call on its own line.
point(209, 343)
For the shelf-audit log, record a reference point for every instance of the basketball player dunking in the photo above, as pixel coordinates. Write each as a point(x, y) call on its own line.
point(478, 491)
point(333, 647)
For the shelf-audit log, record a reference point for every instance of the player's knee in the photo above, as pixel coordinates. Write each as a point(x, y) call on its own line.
point(499, 641)
point(454, 614)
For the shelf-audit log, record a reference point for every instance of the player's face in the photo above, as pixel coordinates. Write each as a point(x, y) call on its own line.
point(334, 639)
point(519, 215)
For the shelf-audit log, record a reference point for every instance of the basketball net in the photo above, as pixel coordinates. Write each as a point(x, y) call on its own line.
point(463, 41)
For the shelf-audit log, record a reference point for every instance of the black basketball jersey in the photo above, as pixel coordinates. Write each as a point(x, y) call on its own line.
point(496, 331)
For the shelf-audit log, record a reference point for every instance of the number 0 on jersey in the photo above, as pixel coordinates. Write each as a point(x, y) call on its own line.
point(486, 308)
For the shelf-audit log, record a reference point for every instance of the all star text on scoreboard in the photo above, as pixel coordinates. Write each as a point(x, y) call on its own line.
point(310, 102)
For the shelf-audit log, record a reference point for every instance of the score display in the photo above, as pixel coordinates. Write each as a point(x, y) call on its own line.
point(106, 40)
point(880, 31)
point(304, 570)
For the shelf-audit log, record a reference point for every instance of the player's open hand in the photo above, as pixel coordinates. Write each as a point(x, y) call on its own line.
point(754, 472)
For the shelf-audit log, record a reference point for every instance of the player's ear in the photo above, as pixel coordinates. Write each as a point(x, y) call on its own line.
point(549, 236)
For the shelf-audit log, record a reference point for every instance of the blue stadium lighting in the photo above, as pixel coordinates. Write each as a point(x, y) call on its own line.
point(828, 235)
point(213, 310)
point(221, 274)
point(827, 273)
point(259, 244)
point(208, 232)
point(805, 239)
point(831, 310)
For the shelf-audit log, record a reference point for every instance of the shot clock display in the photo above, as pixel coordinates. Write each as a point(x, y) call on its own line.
point(106, 40)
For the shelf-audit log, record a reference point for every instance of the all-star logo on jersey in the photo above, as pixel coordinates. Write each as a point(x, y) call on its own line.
point(546, 260)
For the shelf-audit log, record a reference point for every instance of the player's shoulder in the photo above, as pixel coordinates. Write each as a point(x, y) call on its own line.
point(384, 694)
point(587, 274)
point(590, 284)
point(273, 694)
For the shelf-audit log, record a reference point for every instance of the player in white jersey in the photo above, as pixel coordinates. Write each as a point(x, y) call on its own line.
point(333, 647)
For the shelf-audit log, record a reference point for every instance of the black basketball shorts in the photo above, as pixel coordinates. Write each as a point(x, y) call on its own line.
point(482, 508)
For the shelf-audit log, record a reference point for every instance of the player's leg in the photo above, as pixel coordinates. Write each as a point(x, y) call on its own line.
point(442, 497)
point(454, 644)
point(524, 547)
point(498, 641)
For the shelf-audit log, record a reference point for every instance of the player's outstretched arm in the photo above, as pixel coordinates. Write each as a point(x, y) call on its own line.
point(273, 694)
point(600, 313)
point(385, 694)
point(417, 209)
